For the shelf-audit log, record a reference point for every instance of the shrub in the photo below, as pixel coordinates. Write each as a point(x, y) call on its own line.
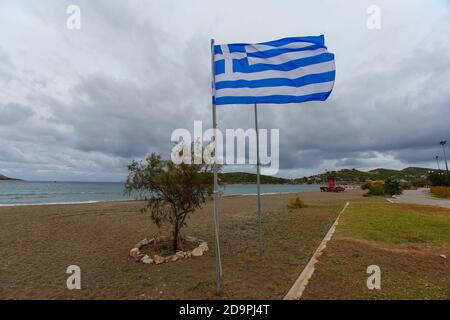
point(376, 190)
point(442, 191)
point(392, 187)
point(296, 203)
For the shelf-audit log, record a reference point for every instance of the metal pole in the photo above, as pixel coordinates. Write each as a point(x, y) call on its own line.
point(258, 201)
point(216, 185)
point(437, 161)
point(445, 158)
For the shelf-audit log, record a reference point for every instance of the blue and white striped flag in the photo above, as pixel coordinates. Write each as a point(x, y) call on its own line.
point(289, 70)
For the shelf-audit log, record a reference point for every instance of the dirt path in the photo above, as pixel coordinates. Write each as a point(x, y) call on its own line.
point(420, 196)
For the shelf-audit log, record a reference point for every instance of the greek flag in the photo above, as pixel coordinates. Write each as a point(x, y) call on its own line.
point(289, 70)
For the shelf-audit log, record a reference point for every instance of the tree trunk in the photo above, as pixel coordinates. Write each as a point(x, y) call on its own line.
point(176, 232)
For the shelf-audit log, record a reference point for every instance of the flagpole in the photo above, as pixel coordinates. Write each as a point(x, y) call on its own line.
point(216, 184)
point(258, 188)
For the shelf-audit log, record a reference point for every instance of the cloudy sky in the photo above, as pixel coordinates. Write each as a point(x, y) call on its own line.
point(80, 104)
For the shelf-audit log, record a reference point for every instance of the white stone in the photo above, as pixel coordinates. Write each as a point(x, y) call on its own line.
point(204, 246)
point(197, 252)
point(146, 259)
point(443, 256)
point(134, 252)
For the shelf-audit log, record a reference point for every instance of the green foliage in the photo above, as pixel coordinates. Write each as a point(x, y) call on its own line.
point(349, 175)
point(392, 187)
point(438, 179)
point(173, 191)
point(356, 176)
point(244, 178)
point(376, 190)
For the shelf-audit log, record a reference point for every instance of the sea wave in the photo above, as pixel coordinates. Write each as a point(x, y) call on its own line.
point(52, 203)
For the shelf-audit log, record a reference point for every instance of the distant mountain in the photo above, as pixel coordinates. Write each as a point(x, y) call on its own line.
point(2, 177)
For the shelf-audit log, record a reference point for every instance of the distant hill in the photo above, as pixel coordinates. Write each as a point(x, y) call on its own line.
point(2, 177)
point(356, 176)
point(344, 175)
point(244, 178)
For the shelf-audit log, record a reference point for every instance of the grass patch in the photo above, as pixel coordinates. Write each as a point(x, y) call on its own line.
point(440, 196)
point(406, 272)
point(398, 224)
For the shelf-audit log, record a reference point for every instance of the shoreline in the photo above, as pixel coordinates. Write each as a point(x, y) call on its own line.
point(137, 200)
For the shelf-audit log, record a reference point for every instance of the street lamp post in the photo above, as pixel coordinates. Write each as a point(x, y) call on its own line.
point(437, 161)
point(442, 143)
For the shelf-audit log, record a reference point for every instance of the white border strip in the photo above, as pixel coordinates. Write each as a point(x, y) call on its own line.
point(295, 293)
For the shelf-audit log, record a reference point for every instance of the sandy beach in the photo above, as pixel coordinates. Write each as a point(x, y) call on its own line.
point(40, 242)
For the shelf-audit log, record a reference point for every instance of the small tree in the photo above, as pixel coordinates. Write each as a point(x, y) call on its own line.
point(173, 191)
point(392, 187)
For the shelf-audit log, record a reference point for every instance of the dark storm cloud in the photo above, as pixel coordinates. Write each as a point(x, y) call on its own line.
point(418, 155)
point(84, 103)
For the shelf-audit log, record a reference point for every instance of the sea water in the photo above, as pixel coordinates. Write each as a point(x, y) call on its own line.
point(21, 192)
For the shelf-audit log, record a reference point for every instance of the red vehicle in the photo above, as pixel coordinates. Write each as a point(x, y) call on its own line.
point(332, 186)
